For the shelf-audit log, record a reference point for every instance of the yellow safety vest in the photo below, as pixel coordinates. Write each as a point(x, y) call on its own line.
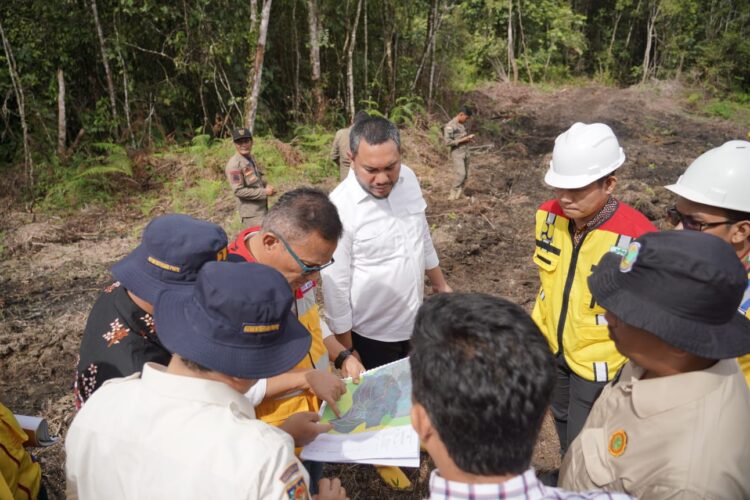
point(20, 476)
point(276, 411)
point(565, 310)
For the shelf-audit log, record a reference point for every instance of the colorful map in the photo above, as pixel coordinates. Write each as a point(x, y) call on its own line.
point(381, 400)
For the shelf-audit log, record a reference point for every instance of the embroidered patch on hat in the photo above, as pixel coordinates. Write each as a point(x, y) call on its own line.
point(618, 441)
point(257, 328)
point(626, 264)
point(163, 265)
point(222, 254)
point(297, 490)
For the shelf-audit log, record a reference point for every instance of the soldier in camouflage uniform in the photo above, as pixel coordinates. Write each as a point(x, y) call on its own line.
point(246, 180)
point(340, 147)
point(454, 133)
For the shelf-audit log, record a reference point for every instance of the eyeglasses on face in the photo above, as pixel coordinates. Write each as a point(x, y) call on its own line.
point(304, 267)
point(675, 217)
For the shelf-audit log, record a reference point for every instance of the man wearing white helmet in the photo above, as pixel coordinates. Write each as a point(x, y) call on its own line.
point(713, 196)
point(572, 233)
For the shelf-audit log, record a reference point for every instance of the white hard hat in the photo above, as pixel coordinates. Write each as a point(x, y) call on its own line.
point(583, 154)
point(719, 177)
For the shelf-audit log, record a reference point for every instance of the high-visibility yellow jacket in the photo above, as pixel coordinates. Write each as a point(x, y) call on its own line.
point(565, 310)
point(20, 476)
point(745, 309)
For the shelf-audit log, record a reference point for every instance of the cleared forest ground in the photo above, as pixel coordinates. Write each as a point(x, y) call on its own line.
point(53, 268)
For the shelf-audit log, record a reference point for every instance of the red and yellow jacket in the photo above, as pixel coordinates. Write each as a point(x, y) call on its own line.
point(565, 310)
point(276, 411)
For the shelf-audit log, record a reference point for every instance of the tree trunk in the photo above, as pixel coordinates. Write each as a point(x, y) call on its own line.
point(432, 27)
point(390, 64)
point(350, 62)
point(103, 49)
point(21, 102)
point(511, 58)
point(251, 106)
point(523, 44)
point(653, 14)
point(317, 88)
point(61, 120)
point(366, 86)
point(253, 14)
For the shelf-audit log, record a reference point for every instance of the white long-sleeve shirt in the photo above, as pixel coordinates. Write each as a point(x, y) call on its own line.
point(376, 284)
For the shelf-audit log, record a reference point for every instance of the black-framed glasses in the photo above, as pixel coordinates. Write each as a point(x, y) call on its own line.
point(305, 268)
point(675, 217)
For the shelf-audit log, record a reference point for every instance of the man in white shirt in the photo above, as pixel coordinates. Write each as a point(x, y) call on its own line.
point(375, 286)
point(187, 430)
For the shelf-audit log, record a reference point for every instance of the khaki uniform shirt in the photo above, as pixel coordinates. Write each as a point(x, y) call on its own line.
point(339, 151)
point(452, 133)
point(248, 185)
point(682, 436)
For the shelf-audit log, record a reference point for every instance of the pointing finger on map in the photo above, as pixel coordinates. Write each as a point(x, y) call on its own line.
point(326, 386)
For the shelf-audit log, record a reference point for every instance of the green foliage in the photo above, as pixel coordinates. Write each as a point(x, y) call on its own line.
point(406, 110)
point(95, 180)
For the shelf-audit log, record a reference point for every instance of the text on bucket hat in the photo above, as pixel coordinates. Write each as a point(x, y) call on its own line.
point(172, 251)
point(682, 286)
point(236, 320)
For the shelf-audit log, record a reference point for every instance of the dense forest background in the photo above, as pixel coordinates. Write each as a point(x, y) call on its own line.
point(78, 77)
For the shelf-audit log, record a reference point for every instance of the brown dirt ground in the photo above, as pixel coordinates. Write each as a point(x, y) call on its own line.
point(53, 268)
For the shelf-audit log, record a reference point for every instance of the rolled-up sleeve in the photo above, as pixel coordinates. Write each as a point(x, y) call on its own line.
point(337, 281)
point(431, 260)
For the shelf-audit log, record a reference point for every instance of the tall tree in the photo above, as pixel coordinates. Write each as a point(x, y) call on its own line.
point(313, 20)
point(105, 60)
point(61, 119)
point(352, 40)
point(251, 104)
point(21, 102)
point(511, 57)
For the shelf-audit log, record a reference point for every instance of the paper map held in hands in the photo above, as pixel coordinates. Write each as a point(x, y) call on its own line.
point(382, 399)
point(375, 426)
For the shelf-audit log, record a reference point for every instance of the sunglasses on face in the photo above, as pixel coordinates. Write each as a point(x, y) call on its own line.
point(305, 268)
point(675, 217)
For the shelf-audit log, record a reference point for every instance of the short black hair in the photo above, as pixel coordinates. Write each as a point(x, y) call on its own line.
point(374, 130)
point(484, 373)
point(360, 115)
point(299, 212)
point(467, 111)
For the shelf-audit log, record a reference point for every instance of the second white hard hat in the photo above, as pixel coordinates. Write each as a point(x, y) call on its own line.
point(583, 154)
point(719, 177)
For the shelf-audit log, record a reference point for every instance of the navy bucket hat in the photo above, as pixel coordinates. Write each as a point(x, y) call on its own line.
point(681, 286)
point(236, 320)
point(172, 251)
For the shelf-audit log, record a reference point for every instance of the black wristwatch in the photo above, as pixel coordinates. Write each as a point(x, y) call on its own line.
point(341, 358)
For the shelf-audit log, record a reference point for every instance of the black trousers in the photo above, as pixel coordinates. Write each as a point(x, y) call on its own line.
point(374, 353)
point(571, 402)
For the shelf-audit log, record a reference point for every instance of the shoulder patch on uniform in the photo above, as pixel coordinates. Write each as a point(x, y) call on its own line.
point(290, 471)
point(297, 490)
point(618, 441)
point(235, 176)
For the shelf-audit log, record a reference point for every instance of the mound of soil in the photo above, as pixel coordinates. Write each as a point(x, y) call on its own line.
point(53, 269)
